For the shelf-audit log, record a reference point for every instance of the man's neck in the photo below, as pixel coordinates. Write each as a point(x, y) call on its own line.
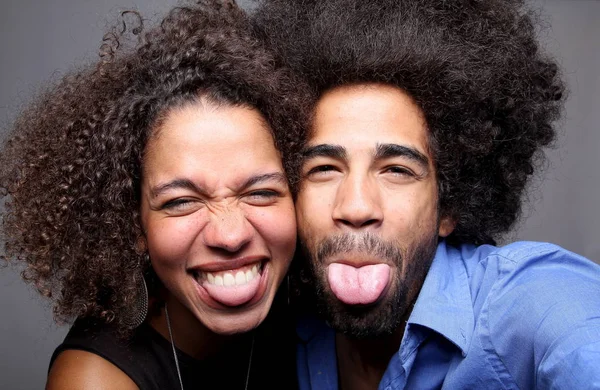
point(362, 363)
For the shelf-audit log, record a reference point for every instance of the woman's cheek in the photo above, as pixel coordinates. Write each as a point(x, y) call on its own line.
point(277, 226)
point(170, 238)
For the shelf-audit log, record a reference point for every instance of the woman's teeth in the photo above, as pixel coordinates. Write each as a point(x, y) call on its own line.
point(227, 278)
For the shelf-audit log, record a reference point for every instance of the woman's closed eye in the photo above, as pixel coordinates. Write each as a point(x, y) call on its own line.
point(180, 205)
point(263, 197)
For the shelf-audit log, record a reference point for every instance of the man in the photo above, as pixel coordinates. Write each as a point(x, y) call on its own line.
point(430, 120)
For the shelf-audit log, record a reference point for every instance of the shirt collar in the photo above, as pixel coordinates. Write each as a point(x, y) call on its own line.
point(308, 327)
point(444, 304)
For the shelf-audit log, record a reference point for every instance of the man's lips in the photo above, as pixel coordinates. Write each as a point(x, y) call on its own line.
point(356, 260)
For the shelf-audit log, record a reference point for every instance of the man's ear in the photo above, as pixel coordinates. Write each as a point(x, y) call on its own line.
point(447, 225)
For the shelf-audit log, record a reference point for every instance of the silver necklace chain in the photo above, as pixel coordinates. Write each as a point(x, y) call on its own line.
point(173, 346)
point(177, 360)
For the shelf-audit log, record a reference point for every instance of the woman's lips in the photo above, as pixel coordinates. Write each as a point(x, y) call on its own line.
point(233, 287)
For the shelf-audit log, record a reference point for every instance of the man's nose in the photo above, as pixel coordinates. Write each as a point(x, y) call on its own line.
point(228, 230)
point(358, 203)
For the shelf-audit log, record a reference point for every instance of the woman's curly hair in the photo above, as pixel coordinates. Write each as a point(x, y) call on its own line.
point(475, 69)
point(70, 170)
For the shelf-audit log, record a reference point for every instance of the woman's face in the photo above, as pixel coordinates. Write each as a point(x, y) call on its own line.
point(218, 214)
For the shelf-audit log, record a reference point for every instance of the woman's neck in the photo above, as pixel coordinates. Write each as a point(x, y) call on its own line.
point(189, 334)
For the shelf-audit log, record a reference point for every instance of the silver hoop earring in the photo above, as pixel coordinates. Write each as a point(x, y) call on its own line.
point(139, 307)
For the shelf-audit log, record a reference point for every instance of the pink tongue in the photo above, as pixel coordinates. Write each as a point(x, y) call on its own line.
point(233, 295)
point(358, 286)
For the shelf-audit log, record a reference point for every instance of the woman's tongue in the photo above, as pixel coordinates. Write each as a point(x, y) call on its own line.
point(358, 286)
point(230, 290)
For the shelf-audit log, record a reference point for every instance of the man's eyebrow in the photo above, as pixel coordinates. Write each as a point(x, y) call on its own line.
point(384, 151)
point(324, 150)
point(266, 177)
point(174, 184)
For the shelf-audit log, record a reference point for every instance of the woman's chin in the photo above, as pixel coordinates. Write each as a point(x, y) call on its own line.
point(228, 320)
point(235, 323)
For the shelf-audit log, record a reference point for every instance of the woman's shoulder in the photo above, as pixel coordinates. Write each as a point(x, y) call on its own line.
point(94, 353)
point(79, 369)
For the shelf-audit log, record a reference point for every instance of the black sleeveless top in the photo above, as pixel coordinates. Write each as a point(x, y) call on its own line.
point(147, 358)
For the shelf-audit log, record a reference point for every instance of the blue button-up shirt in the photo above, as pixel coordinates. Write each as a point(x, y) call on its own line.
point(525, 316)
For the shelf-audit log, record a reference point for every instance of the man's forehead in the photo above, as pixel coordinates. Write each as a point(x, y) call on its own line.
point(373, 96)
point(365, 116)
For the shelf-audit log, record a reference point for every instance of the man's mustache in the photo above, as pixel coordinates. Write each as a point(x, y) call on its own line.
point(367, 243)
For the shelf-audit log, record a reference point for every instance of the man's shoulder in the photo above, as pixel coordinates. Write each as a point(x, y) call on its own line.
point(535, 304)
point(497, 268)
point(531, 280)
point(514, 253)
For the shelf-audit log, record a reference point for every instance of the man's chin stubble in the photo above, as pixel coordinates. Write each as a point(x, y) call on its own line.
point(378, 320)
point(388, 315)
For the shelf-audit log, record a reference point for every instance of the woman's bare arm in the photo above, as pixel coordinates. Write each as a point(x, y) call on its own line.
point(76, 369)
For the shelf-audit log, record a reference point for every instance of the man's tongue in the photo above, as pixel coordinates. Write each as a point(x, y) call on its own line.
point(358, 286)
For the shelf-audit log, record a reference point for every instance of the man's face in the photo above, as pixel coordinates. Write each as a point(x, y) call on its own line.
point(368, 208)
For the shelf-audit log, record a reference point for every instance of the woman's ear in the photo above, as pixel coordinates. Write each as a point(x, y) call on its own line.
point(141, 246)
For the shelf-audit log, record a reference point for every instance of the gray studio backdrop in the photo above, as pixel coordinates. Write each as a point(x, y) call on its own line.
point(40, 40)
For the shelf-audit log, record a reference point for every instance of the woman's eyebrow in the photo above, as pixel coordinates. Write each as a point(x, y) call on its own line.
point(190, 185)
point(174, 184)
point(265, 177)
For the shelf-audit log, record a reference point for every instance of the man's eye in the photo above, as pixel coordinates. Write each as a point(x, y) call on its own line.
point(400, 171)
point(321, 169)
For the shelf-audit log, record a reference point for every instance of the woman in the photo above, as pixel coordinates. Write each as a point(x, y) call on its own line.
point(147, 196)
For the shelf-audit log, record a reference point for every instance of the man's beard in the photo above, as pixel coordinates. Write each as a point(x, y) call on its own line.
point(384, 317)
